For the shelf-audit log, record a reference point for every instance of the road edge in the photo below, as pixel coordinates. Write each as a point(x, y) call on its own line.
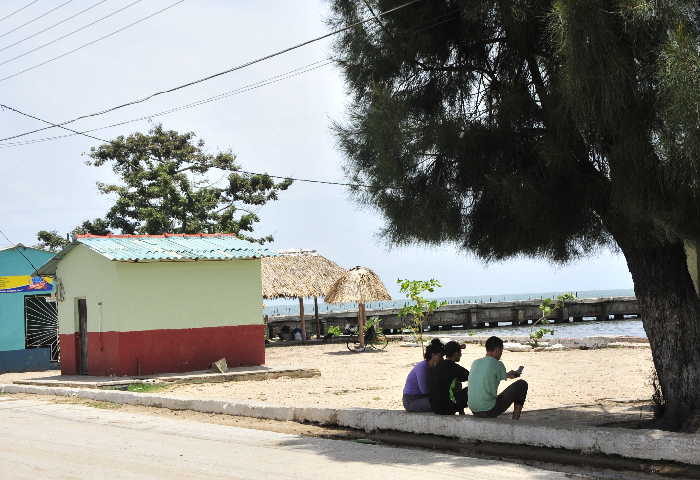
point(655, 445)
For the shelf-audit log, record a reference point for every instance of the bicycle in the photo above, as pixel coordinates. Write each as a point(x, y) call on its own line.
point(373, 341)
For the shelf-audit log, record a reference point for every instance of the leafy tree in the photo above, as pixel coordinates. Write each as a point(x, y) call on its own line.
point(420, 307)
point(545, 128)
point(547, 307)
point(53, 241)
point(164, 188)
point(50, 240)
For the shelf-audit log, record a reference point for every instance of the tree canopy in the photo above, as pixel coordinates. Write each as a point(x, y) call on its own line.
point(525, 124)
point(168, 185)
point(544, 128)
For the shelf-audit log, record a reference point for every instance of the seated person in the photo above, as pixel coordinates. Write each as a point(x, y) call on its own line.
point(297, 334)
point(486, 374)
point(415, 392)
point(284, 333)
point(447, 396)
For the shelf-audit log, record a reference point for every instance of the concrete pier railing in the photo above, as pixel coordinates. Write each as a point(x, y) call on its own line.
point(478, 315)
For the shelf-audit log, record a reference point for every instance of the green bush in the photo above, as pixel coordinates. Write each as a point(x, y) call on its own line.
point(375, 322)
point(334, 331)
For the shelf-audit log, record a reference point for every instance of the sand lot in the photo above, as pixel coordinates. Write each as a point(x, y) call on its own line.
point(375, 379)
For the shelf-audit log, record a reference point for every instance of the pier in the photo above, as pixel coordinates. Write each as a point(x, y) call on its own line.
point(478, 315)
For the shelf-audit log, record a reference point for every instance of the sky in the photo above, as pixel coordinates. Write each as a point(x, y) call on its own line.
point(282, 129)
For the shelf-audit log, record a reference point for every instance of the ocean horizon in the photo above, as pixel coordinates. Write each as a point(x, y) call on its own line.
point(291, 307)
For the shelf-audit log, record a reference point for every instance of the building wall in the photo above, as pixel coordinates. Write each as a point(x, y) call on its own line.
point(12, 328)
point(155, 317)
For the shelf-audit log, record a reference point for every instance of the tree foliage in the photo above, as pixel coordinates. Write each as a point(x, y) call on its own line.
point(168, 185)
point(419, 306)
point(544, 128)
point(52, 241)
point(165, 189)
point(547, 307)
point(525, 124)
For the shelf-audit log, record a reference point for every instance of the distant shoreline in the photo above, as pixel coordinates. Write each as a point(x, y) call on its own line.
point(291, 307)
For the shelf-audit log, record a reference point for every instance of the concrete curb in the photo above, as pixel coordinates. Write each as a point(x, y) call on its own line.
point(636, 444)
point(206, 377)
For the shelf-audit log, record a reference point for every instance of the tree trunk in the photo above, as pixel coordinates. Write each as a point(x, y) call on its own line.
point(318, 321)
point(301, 318)
point(670, 311)
point(361, 324)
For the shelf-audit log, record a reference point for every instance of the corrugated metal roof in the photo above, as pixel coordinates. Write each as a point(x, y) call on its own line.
point(165, 248)
point(134, 248)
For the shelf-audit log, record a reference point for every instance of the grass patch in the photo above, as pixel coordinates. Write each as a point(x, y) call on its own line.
point(103, 405)
point(147, 387)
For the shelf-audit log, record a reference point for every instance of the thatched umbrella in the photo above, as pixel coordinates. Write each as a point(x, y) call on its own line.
point(359, 285)
point(299, 274)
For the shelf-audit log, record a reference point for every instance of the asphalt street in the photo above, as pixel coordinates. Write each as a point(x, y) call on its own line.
point(40, 439)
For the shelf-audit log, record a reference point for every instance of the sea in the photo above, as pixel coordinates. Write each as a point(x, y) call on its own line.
point(588, 328)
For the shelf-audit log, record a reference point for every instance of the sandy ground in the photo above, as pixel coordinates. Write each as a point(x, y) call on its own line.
point(375, 380)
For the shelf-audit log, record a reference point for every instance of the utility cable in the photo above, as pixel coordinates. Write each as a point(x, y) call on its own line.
point(119, 30)
point(29, 115)
point(241, 171)
point(18, 10)
point(71, 17)
point(215, 75)
point(307, 180)
point(245, 88)
point(71, 33)
point(221, 96)
point(28, 22)
point(34, 269)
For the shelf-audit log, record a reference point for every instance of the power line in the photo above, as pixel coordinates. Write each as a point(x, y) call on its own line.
point(71, 17)
point(20, 252)
point(221, 96)
point(119, 30)
point(29, 115)
point(18, 10)
point(55, 40)
point(28, 22)
point(215, 75)
point(245, 88)
point(307, 180)
point(241, 171)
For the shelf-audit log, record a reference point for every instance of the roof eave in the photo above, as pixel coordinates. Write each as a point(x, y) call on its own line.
point(49, 268)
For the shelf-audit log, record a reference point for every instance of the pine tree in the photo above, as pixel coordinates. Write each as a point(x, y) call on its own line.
point(544, 128)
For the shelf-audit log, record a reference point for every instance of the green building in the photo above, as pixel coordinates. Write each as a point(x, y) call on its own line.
point(28, 325)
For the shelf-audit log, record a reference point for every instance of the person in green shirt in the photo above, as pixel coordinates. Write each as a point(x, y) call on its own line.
point(485, 375)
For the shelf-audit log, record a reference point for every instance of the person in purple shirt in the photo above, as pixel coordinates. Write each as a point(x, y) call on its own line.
point(416, 395)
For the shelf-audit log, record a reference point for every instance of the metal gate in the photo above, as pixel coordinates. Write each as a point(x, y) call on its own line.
point(41, 324)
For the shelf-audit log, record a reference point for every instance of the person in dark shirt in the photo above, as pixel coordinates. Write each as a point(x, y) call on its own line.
point(447, 396)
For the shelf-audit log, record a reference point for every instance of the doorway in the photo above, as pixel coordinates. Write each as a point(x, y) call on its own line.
point(41, 324)
point(82, 350)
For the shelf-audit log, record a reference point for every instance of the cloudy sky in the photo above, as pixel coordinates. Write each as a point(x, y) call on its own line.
point(281, 129)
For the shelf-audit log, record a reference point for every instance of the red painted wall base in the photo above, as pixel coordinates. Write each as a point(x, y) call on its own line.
point(164, 351)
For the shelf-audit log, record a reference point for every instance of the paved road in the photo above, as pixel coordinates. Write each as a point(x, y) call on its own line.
point(44, 440)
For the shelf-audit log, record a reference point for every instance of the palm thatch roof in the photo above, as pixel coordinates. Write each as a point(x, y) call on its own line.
point(360, 285)
point(298, 273)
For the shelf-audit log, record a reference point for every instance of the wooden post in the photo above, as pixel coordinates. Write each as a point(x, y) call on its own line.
point(361, 324)
point(301, 318)
point(318, 322)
